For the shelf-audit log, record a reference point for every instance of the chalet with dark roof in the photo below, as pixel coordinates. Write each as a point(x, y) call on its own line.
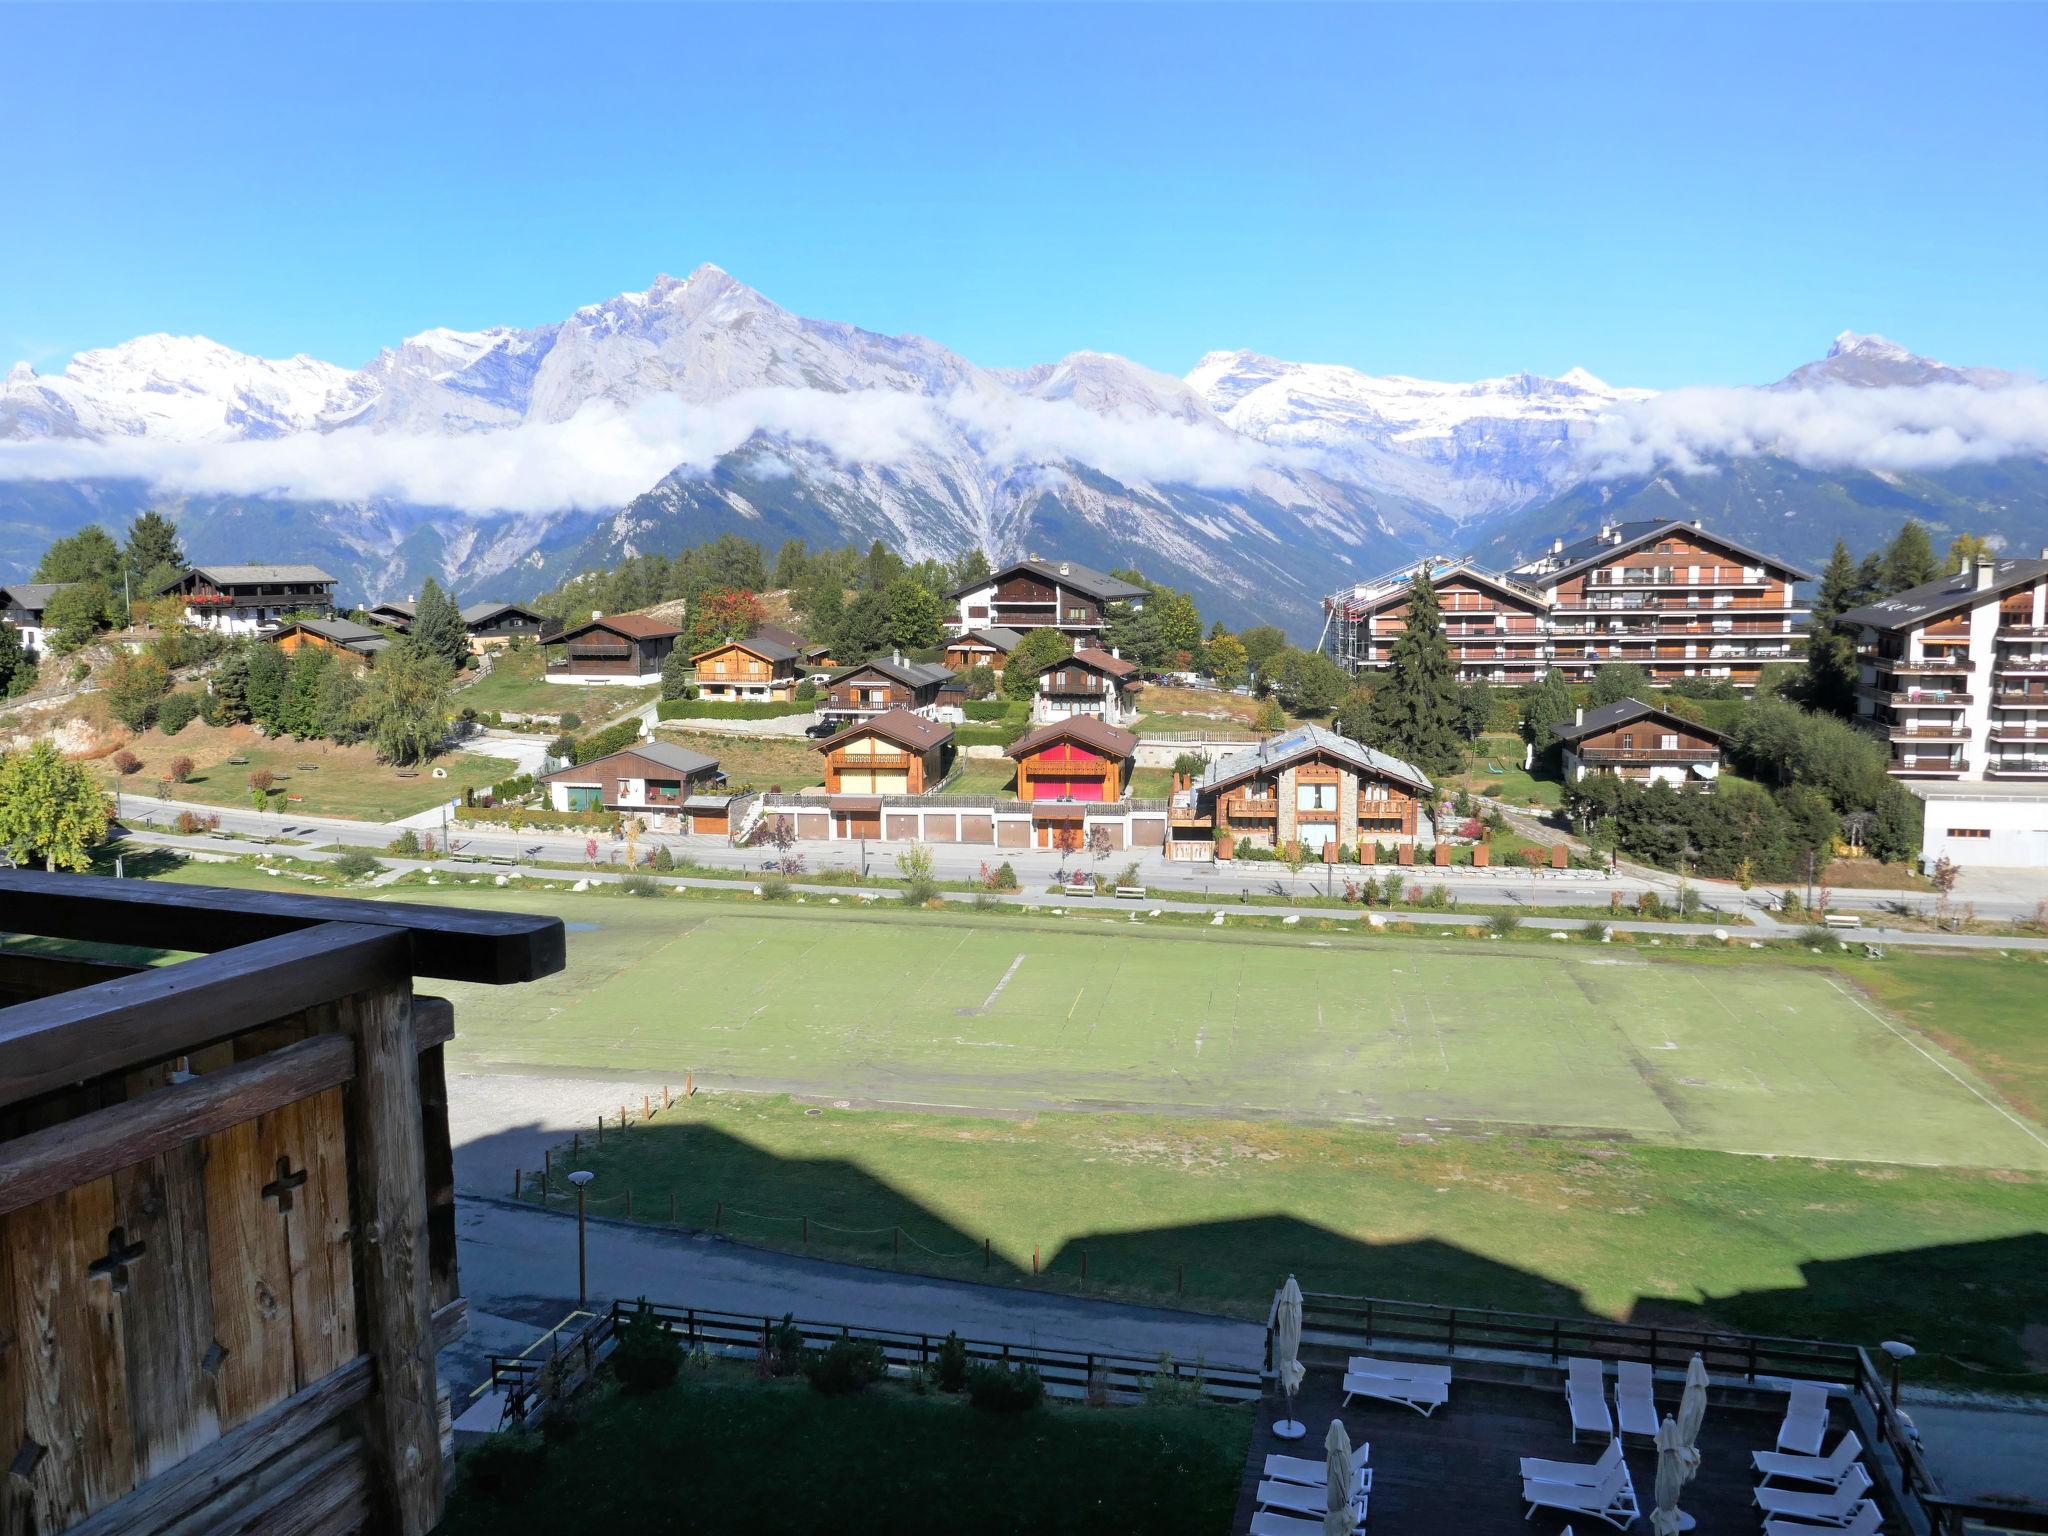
point(22, 604)
point(620, 648)
point(343, 637)
point(1308, 786)
point(892, 753)
point(888, 683)
point(671, 787)
point(1643, 743)
point(248, 599)
point(1041, 594)
point(754, 670)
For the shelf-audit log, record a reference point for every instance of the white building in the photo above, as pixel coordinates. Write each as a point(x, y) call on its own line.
point(246, 599)
point(22, 605)
point(1984, 825)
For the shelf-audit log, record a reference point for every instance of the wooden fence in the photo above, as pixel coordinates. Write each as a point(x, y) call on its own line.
point(227, 1220)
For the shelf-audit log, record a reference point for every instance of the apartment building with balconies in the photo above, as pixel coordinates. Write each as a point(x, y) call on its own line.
point(1676, 600)
point(1953, 674)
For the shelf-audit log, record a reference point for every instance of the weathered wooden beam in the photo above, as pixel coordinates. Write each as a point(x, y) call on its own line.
point(495, 948)
point(175, 1009)
point(397, 1328)
point(433, 1021)
point(25, 974)
point(47, 1162)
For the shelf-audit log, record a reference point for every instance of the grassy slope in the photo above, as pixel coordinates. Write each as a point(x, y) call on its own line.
point(516, 684)
point(755, 762)
point(724, 1451)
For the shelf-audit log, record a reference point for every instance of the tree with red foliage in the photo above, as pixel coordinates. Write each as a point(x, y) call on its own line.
point(725, 613)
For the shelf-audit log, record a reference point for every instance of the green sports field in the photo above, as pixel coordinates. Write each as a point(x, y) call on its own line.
point(885, 1007)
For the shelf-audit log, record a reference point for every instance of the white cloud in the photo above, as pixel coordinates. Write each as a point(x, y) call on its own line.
point(1930, 427)
point(604, 455)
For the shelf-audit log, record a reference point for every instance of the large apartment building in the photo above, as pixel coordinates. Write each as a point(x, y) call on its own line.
point(1954, 674)
point(1677, 600)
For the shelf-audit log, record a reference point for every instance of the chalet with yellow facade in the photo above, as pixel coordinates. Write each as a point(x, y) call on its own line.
point(893, 753)
point(753, 670)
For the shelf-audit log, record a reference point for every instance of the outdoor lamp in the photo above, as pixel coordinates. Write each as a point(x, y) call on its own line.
point(581, 1179)
point(1900, 1353)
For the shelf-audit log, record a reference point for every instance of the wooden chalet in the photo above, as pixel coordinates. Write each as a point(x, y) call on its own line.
point(894, 753)
point(754, 670)
point(1308, 786)
point(1640, 742)
point(986, 647)
point(1079, 759)
point(343, 637)
point(889, 683)
point(490, 625)
point(227, 1208)
point(624, 648)
point(1089, 682)
point(242, 599)
point(672, 787)
point(1042, 594)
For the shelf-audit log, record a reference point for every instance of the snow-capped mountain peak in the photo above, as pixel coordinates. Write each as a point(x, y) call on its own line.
point(1865, 361)
point(187, 388)
point(1871, 345)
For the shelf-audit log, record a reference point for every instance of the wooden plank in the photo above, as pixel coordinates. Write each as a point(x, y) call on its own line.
point(175, 1009)
point(166, 1309)
point(433, 1022)
point(17, 1493)
point(494, 948)
point(69, 1356)
point(397, 1320)
point(251, 1273)
point(331, 1493)
point(446, 1283)
point(24, 974)
point(43, 1163)
point(318, 1236)
point(233, 1457)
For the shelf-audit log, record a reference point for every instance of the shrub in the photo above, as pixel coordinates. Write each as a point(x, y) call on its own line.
point(639, 885)
point(1814, 936)
point(570, 720)
point(180, 769)
point(776, 888)
point(188, 824)
point(1006, 876)
point(1790, 905)
point(1649, 904)
point(126, 762)
point(663, 859)
point(1167, 1388)
point(1004, 1389)
point(988, 711)
point(648, 1355)
point(786, 1347)
point(848, 1366)
point(407, 844)
point(355, 864)
point(564, 747)
point(604, 743)
point(176, 712)
point(1504, 925)
point(507, 1465)
point(949, 1369)
point(261, 780)
point(693, 708)
point(807, 691)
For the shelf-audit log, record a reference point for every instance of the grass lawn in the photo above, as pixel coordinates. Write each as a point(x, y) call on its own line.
point(517, 685)
point(984, 776)
point(725, 1451)
point(1514, 784)
point(1159, 723)
point(343, 781)
point(1204, 706)
point(755, 762)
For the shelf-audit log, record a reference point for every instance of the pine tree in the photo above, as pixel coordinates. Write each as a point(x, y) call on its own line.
point(1869, 579)
point(437, 628)
point(1909, 559)
point(1830, 654)
point(1837, 592)
point(152, 546)
point(1415, 706)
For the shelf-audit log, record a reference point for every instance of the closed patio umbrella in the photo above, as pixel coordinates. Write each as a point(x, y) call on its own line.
point(1665, 1519)
point(1286, 1347)
point(1339, 1476)
point(1692, 1411)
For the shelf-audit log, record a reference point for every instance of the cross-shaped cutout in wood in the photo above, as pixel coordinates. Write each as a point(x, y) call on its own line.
point(115, 1261)
point(280, 1189)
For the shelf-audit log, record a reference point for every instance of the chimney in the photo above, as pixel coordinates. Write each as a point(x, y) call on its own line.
point(1557, 546)
point(597, 613)
point(1065, 569)
point(1579, 716)
point(1696, 523)
point(1987, 570)
point(1113, 656)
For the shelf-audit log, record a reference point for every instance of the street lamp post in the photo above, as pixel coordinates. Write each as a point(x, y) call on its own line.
point(1900, 1353)
point(581, 1179)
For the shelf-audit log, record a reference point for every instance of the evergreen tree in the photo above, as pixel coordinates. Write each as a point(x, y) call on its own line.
point(437, 628)
point(1837, 591)
point(863, 629)
point(338, 706)
point(298, 707)
point(88, 555)
point(881, 567)
point(1869, 579)
point(1908, 559)
point(227, 691)
point(969, 570)
point(1830, 654)
point(1545, 703)
point(267, 673)
point(50, 809)
point(1415, 705)
point(406, 704)
point(152, 546)
point(792, 564)
point(1618, 680)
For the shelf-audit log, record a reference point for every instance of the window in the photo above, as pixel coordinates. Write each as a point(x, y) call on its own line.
point(585, 797)
point(1315, 797)
point(1969, 831)
point(1668, 742)
point(1628, 740)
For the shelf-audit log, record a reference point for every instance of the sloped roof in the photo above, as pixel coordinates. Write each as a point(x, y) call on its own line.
point(767, 650)
point(34, 596)
point(1621, 712)
point(343, 632)
point(1276, 752)
point(1088, 581)
point(403, 609)
point(635, 626)
point(1086, 729)
point(778, 634)
point(899, 726)
point(1933, 599)
point(667, 753)
point(1094, 660)
point(478, 613)
point(258, 575)
point(912, 674)
point(1004, 640)
point(1588, 552)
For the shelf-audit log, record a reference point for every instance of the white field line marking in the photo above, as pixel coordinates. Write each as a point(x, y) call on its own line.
point(2024, 1128)
point(990, 1001)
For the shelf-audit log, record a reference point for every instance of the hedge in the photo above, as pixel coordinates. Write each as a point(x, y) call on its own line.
point(996, 709)
point(613, 738)
point(520, 816)
point(725, 709)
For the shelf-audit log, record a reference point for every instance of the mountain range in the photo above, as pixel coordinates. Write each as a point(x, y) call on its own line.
point(500, 460)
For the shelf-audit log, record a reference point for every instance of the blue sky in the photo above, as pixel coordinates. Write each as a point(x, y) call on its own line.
point(1662, 194)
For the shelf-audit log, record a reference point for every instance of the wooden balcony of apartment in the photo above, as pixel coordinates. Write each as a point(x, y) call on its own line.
point(2021, 698)
point(1618, 757)
point(1930, 767)
point(2017, 767)
point(2023, 666)
point(2021, 629)
point(1927, 666)
point(2033, 729)
point(855, 762)
point(1184, 810)
point(1242, 807)
point(1953, 731)
point(1709, 577)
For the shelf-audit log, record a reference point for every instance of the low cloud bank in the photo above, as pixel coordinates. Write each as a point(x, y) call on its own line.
point(605, 455)
point(1934, 426)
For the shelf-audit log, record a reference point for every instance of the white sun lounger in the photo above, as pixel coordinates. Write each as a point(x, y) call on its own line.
point(1836, 1507)
point(1583, 1474)
point(1425, 1397)
point(1614, 1500)
point(1298, 1499)
point(1586, 1392)
point(1806, 1419)
point(1400, 1370)
point(1316, 1474)
point(1828, 1470)
point(1864, 1522)
point(1635, 1403)
point(1266, 1523)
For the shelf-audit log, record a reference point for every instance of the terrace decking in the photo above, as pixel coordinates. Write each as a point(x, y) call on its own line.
point(1459, 1470)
